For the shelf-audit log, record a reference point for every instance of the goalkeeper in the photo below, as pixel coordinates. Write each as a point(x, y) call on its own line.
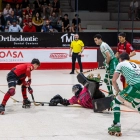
point(81, 95)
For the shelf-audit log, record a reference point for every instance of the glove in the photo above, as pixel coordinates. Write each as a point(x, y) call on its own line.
point(55, 100)
point(106, 66)
point(27, 83)
point(56, 97)
point(30, 90)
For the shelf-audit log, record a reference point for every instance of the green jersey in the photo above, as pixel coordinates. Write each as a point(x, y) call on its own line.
point(130, 71)
point(104, 47)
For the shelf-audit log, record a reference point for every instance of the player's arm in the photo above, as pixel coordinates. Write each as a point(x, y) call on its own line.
point(117, 54)
point(132, 53)
point(114, 81)
point(130, 49)
point(28, 72)
point(108, 57)
point(82, 45)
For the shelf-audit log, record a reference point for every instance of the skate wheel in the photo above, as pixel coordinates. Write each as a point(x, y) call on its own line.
point(23, 106)
point(2, 113)
point(42, 104)
point(111, 133)
point(118, 134)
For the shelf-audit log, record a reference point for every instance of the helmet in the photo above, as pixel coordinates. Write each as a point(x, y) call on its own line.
point(76, 89)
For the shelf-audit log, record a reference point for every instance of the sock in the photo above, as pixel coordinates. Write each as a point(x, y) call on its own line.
point(24, 93)
point(5, 99)
point(116, 109)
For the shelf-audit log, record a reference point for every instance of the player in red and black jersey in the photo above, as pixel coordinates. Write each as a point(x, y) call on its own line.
point(124, 46)
point(17, 76)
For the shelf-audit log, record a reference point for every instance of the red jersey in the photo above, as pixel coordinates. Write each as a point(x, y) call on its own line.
point(23, 70)
point(83, 99)
point(25, 12)
point(27, 28)
point(125, 47)
point(26, 21)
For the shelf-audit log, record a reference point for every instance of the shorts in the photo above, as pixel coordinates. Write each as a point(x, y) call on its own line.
point(131, 92)
point(13, 80)
point(112, 65)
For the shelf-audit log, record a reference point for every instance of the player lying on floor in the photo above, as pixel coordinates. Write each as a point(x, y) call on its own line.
point(81, 95)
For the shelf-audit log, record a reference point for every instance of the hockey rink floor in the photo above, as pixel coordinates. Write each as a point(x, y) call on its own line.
point(60, 122)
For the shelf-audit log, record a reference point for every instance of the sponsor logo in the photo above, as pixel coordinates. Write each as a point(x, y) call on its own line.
point(58, 55)
point(66, 39)
point(20, 40)
point(11, 54)
point(137, 41)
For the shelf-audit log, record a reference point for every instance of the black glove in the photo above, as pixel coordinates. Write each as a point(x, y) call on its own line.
point(56, 97)
point(30, 90)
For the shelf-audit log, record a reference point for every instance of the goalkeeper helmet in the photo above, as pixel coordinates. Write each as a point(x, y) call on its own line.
point(76, 89)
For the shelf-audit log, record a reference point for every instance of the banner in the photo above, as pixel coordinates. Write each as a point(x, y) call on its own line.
point(44, 55)
point(36, 40)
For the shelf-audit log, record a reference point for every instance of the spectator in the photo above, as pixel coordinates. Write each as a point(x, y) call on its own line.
point(56, 7)
point(26, 20)
point(46, 8)
point(37, 6)
point(133, 9)
point(15, 27)
point(47, 27)
point(76, 21)
point(11, 18)
point(7, 11)
point(54, 22)
point(66, 24)
point(18, 13)
point(38, 22)
point(25, 3)
point(29, 27)
point(2, 22)
point(28, 12)
point(59, 23)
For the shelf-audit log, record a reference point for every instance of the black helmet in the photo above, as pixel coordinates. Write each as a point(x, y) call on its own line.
point(76, 89)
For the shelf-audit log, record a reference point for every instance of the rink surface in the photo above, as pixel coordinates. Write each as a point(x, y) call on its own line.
point(60, 122)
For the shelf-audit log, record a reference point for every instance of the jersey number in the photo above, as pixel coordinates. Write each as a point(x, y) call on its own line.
point(133, 65)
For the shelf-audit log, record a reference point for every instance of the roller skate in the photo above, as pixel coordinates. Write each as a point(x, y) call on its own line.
point(26, 103)
point(2, 109)
point(115, 129)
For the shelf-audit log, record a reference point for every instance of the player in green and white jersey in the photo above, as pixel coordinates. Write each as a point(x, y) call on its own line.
point(110, 61)
point(131, 93)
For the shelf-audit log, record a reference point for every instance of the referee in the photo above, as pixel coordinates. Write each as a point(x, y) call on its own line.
point(76, 49)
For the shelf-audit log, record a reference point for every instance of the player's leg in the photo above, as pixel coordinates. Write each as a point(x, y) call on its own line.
point(11, 79)
point(80, 63)
point(135, 95)
point(109, 74)
point(26, 101)
point(108, 81)
point(115, 128)
point(127, 94)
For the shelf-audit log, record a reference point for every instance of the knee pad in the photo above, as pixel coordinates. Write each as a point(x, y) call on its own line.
point(106, 81)
point(11, 91)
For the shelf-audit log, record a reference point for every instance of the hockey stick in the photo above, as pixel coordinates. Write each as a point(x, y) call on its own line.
point(90, 70)
point(43, 102)
point(34, 101)
point(12, 98)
